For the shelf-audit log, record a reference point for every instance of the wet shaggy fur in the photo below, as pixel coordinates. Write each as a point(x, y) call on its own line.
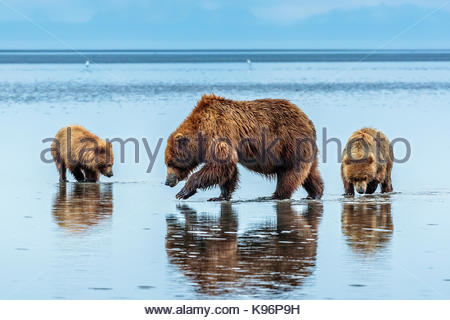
point(84, 154)
point(272, 137)
point(367, 163)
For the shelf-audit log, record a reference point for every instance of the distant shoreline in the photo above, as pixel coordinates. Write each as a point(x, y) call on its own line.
point(231, 50)
point(36, 56)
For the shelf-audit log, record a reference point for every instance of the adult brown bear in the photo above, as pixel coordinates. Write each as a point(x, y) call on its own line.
point(272, 137)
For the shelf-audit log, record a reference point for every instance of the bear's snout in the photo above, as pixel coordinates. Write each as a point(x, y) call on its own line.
point(171, 180)
point(360, 187)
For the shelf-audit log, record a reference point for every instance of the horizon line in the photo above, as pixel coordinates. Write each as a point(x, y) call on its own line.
point(224, 49)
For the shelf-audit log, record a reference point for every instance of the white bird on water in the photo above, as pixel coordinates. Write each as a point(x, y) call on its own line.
point(87, 64)
point(249, 62)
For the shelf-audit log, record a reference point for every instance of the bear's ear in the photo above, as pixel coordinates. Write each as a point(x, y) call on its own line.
point(100, 150)
point(181, 140)
point(109, 150)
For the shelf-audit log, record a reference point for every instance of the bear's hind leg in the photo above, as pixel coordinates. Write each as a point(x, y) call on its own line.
point(288, 181)
point(78, 174)
point(314, 183)
point(92, 175)
point(227, 189)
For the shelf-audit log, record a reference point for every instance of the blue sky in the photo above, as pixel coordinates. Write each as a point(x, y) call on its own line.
point(224, 24)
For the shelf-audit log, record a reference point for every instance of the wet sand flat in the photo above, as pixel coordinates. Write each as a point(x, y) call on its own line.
point(129, 238)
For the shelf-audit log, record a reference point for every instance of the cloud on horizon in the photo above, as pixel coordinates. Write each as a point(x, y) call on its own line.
point(291, 11)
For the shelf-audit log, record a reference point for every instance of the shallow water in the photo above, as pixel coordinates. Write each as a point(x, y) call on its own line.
point(129, 238)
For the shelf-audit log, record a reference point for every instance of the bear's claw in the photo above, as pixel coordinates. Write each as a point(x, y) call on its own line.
point(220, 198)
point(348, 194)
point(185, 194)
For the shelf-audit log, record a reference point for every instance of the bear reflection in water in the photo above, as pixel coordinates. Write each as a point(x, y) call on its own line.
point(367, 226)
point(275, 255)
point(79, 206)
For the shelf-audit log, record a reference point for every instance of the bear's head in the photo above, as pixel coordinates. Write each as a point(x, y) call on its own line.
point(105, 158)
point(180, 157)
point(360, 172)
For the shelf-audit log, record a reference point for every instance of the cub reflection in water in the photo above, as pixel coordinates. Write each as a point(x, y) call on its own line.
point(367, 225)
point(275, 255)
point(82, 205)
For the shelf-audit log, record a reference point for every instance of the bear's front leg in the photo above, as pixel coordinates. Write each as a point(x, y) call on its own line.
point(386, 186)
point(349, 189)
point(78, 174)
point(372, 186)
point(219, 169)
point(61, 166)
point(209, 175)
point(386, 183)
point(186, 193)
point(92, 175)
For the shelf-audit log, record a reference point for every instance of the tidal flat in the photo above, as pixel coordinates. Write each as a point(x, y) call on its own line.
point(127, 237)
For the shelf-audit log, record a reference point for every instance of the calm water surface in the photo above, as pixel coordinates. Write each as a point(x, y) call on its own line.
point(129, 238)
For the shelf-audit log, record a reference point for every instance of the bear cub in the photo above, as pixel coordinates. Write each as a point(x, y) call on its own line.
point(83, 153)
point(367, 162)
